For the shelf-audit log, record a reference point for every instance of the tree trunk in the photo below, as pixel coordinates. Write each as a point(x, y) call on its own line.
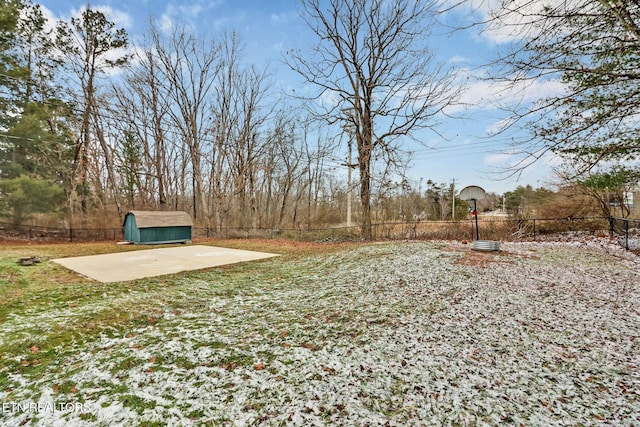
point(107, 159)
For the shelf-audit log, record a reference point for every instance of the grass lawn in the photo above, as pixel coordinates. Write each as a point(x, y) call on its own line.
point(409, 333)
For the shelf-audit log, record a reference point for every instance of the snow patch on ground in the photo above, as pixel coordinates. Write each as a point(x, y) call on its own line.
point(543, 333)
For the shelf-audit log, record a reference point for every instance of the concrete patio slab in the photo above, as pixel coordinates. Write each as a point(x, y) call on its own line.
point(122, 266)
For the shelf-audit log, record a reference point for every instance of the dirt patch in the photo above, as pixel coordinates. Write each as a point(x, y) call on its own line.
point(483, 258)
point(480, 259)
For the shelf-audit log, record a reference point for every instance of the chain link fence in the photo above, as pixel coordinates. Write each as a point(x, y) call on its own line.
point(53, 234)
point(488, 229)
point(626, 231)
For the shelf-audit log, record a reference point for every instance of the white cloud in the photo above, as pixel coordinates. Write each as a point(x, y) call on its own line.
point(225, 22)
point(190, 10)
point(499, 125)
point(525, 168)
point(188, 15)
point(521, 20)
point(485, 94)
point(166, 23)
point(50, 18)
point(284, 17)
point(278, 47)
point(499, 159)
point(477, 7)
point(328, 99)
point(456, 59)
point(119, 18)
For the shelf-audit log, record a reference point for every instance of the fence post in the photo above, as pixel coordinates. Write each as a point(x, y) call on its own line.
point(626, 233)
point(534, 230)
point(611, 223)
point(71, 235)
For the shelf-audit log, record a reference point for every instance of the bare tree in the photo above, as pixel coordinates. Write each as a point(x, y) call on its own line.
point(288, 170)
point(198, 112)
point(141, 104)
point(88, 45)
point(239, 111)
point(374, 73)
point(189, 69)
point(249, 87)
point(315, 157)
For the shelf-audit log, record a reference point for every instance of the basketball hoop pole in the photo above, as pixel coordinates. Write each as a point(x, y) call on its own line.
point(475, 193)
point(475, 213)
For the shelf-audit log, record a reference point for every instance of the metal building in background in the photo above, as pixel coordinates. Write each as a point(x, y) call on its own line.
point(153, 228)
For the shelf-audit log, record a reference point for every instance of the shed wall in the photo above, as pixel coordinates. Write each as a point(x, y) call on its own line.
point(131, 231)
point(157, 234)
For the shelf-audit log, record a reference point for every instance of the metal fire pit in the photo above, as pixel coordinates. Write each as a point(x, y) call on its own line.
point(486, 245)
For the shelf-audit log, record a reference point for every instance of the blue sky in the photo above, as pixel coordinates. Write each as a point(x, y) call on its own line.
point(266, 27)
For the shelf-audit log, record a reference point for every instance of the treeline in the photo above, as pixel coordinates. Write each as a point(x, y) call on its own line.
point(94, 127)
point(91, 126)
point(91, 129)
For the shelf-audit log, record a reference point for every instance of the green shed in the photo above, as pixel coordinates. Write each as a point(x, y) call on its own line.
point(153, 228)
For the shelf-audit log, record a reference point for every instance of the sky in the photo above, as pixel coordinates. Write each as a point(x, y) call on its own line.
point(463, 151)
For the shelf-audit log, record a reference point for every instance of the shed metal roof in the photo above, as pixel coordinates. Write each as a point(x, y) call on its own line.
point(148, 219)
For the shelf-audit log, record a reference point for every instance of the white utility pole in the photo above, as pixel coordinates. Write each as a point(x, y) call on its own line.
point(349, 187)
point(453, 200)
